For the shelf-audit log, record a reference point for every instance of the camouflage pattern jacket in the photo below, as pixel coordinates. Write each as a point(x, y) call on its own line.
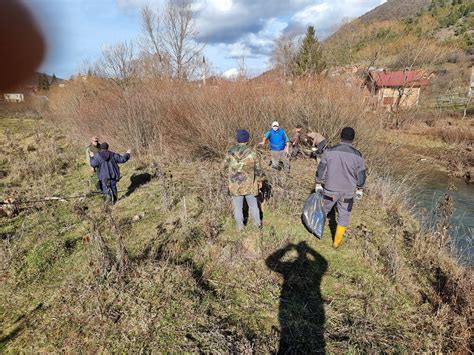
point(91, 149)
point(244, 171)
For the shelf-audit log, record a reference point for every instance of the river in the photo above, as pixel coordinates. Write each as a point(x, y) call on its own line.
point(430, 190)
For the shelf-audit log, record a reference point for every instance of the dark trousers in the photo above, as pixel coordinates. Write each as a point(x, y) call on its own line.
point(295, 149)
point(109, 186)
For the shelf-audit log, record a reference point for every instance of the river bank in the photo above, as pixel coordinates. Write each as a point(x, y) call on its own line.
point(441, 153)
point(445, 145)
point(178, 278)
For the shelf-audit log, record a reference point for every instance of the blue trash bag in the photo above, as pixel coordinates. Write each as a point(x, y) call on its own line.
point(313, 216)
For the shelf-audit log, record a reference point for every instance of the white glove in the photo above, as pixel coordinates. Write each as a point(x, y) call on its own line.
point(319, 188)
point(358, 195)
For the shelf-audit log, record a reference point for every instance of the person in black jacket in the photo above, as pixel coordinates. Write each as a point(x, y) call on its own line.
point(109, 172)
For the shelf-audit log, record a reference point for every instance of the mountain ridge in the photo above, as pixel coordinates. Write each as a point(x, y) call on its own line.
point(395, 10)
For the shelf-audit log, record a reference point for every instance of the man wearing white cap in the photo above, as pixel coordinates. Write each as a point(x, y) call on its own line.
point(279, 146)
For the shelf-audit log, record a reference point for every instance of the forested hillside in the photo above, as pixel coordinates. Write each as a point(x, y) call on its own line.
point(427, 34)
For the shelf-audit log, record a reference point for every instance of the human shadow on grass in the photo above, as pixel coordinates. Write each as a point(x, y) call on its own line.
point(137, 180)
point(20, 325)
point(301, 309)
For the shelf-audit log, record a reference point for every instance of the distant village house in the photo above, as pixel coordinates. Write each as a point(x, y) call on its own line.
point(393, 89)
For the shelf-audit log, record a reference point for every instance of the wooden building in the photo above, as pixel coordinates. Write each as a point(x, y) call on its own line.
point(394, 89)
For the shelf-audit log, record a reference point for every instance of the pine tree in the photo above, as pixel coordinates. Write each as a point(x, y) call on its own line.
point(53, 79)
point(309, 59)
point(40, 81)
point(43, 82)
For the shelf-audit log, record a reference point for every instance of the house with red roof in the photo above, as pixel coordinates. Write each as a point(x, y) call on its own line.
point(394, 89)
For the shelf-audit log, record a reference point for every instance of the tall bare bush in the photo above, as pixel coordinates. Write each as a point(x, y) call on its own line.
point(182, 120)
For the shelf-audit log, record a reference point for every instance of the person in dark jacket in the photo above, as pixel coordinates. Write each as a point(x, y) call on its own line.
point(295, 142)
point(342, 172)
point(109, 172)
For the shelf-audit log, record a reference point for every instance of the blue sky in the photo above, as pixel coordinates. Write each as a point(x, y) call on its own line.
point(78, 29)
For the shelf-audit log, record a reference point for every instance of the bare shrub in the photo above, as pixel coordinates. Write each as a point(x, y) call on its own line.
point(451, 293)
point(408, 117)
point(182, 120)
point(453, 135)
point(393, 192)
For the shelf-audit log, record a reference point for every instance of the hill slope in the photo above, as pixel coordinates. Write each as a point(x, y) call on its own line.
point(395, 10)
point(401, 34)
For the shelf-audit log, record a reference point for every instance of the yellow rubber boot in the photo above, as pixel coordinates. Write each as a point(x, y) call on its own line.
point(340, 230)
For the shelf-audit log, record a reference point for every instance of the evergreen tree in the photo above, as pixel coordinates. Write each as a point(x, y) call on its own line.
point(54, 79)
point(43, 82)
point(40, 81)
point(309, 59)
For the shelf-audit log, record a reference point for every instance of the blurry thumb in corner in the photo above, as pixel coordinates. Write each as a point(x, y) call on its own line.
point(22, 46)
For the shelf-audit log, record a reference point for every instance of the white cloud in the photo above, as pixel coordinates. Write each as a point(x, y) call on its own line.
point(236, 28)
point(312, 13)
point(237, 50)
point(231, 74)
point(222, 5)
point(326, 15)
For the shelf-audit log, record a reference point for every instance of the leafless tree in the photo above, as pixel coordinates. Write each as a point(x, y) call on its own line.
point(284, 52)
point(117, 63)
point(170, 37)
point(154, 59)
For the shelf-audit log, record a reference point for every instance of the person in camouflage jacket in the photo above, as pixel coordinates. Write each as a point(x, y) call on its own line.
point(93, 148)
point(242, 164)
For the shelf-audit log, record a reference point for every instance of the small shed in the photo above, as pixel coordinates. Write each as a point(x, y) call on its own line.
point(400, 88)
point(14, 97)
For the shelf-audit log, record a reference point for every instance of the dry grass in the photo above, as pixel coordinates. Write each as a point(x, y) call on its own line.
point(455, 135)
point(180, 279)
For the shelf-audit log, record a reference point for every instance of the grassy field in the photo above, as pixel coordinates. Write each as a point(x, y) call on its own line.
point(164, 270)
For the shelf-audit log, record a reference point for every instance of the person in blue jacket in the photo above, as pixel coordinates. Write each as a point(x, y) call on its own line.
point(107, 162)
point(279, 146)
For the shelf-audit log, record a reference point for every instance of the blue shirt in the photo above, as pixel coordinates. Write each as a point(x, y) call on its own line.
point(277, 139)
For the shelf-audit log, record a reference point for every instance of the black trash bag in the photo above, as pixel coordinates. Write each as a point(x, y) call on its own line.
point(313, 216)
